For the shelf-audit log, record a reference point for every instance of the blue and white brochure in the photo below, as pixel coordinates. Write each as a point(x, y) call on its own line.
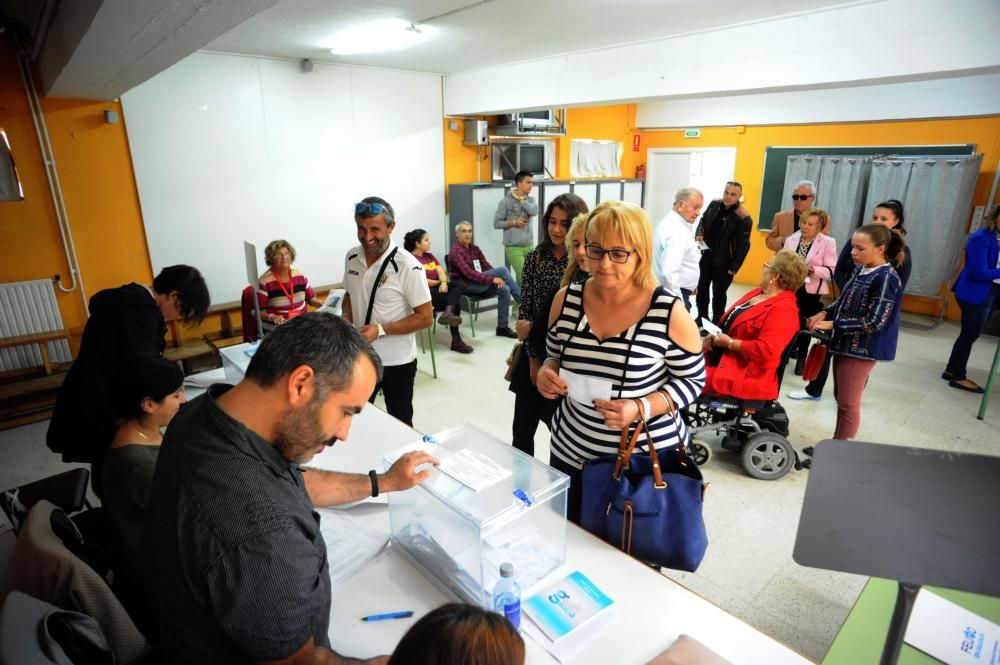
point(952, 634)
point(563, 607)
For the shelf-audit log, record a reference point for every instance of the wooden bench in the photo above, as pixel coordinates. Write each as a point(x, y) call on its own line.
point(39, 340)
point(28, 400)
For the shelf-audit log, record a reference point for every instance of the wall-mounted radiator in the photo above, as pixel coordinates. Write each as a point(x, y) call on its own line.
point(26, 308)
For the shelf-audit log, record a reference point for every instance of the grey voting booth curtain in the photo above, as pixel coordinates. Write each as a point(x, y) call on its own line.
point(840, 188)
point(937, 196)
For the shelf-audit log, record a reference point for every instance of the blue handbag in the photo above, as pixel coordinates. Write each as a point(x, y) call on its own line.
point(650, 506)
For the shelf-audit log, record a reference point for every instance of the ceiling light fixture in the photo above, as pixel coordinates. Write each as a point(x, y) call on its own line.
point(390, 34)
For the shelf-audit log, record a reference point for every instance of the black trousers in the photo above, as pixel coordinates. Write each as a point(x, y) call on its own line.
point(397, 388)
point(718, 279)
point(809, 305)
point(451, 299)
point(530, 407)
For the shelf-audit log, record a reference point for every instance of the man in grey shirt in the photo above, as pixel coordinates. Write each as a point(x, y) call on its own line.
point(514, 214)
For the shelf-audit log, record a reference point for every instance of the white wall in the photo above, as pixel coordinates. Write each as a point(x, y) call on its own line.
point(231, 148)
point(847, 45)
point(942, 98)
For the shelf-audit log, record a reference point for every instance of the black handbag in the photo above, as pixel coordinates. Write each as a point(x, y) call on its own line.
point(649, 506)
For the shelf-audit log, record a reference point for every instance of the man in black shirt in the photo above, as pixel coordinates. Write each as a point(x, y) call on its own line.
point(236, 567)
point(725, 229)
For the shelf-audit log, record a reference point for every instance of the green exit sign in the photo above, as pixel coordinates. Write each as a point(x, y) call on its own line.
point(692, 133)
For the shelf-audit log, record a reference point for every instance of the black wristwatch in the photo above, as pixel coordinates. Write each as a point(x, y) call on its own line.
point(373, 476)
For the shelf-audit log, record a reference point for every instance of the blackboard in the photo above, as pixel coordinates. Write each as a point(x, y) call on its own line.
point(776, 162)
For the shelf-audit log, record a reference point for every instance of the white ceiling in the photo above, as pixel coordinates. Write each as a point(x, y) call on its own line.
point(495, 32)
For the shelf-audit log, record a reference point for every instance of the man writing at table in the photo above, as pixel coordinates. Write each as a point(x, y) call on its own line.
point(235, 565)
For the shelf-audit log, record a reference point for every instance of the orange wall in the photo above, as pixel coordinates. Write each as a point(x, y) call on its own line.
point(95, 172)
point(617, 122)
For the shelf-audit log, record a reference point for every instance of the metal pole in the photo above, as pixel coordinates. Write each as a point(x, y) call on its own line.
point(989, 384)
point(897, 627)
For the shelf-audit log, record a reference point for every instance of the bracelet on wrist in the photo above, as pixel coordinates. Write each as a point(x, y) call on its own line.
point(373, 476)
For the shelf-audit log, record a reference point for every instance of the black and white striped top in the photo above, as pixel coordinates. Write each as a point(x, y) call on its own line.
point(637, 361)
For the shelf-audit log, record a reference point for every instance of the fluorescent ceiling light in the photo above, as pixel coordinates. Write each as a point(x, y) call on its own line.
point(388, 34)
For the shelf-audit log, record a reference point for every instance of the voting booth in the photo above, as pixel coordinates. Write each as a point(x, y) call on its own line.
point(487, 503)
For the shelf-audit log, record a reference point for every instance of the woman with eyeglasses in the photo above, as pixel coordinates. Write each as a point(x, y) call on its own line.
point(283, 292)
point(977, 291)
point(620, 329)
point(543, 269)
point(820, 253)
point(743, 359)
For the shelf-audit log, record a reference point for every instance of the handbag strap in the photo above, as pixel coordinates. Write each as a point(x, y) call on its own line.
point(627, 444)
point(378, 278)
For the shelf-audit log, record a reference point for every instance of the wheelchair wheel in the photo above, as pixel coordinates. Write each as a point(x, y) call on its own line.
point(767, 456)
point(699, 451)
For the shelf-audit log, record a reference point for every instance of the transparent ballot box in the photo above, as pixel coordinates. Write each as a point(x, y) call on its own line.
point(458, 536)
point(236, 359)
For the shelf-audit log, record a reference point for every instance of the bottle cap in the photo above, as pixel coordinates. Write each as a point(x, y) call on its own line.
point(507, 569)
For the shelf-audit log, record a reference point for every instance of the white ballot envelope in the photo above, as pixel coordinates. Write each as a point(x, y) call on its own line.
point(585, 389)
point(710, 327)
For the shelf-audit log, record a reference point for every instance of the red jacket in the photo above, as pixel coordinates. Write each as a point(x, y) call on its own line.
point(764, 330)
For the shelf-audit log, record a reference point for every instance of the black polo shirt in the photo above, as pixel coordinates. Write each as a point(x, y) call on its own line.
point(234, 562)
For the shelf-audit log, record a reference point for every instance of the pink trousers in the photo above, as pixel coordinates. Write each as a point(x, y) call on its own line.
point(850, 376)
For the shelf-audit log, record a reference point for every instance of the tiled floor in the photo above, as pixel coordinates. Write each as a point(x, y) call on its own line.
point(748, 569)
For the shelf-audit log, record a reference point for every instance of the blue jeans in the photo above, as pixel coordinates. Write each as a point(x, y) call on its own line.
point(504, 293)
point(974, 318)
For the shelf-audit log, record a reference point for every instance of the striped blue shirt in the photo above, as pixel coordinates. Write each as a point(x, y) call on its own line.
point(637, 362)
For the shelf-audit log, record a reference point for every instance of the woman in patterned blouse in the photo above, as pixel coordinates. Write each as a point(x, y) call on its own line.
point(543, 269)
point(864, 319)
point(283, 292)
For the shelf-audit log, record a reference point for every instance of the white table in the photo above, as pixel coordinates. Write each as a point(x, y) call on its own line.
point(652, 610)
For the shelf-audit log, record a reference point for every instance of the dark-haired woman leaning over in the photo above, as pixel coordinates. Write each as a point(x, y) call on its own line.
point(543, 270)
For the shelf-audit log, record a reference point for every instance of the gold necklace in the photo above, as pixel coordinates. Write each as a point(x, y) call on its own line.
point(139, 433)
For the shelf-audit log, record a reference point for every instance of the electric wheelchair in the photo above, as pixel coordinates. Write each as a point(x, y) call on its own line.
point(756, 430)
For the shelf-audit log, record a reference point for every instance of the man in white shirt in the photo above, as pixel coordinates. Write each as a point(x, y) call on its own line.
point(676, 255)
point(388, 300)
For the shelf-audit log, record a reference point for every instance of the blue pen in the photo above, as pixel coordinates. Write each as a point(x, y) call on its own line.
point(389, 615)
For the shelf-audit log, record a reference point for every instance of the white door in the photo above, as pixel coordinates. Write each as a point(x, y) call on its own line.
point(670, 169)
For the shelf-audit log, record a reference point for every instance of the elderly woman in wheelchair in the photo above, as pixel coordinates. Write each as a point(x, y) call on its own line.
point(744, 360)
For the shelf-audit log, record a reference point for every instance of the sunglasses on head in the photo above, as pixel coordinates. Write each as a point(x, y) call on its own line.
point(801, 197)
point(369, 209)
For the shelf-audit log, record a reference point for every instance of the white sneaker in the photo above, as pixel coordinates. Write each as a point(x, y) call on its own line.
point(802, 394)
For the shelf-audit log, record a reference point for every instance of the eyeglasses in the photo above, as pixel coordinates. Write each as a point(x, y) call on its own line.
point(733, 183)
point(802, 197)
point(371, 209)
point(596, 253)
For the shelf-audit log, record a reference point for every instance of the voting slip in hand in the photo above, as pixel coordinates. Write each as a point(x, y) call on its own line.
point(585, 389)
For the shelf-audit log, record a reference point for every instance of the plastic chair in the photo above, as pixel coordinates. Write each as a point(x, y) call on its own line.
point(430, 342)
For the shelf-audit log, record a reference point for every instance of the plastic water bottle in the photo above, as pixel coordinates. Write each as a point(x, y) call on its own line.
point(507, 596)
